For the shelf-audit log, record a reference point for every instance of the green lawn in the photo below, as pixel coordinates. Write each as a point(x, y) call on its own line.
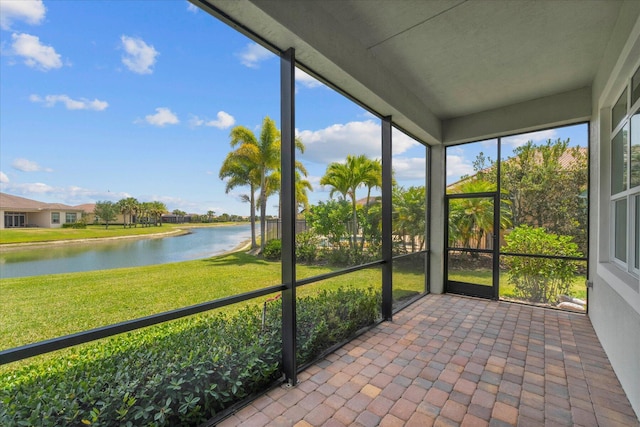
point(507, 290)
point(42, 307)
point(34, 235)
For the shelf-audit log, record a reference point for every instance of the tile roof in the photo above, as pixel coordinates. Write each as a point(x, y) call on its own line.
point(11, 202)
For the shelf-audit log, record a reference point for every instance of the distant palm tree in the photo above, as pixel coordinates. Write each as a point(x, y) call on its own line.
point(128, 206)
point(144, 213)
point(157, 210)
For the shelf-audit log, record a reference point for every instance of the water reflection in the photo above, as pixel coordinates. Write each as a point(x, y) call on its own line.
point(66, 258)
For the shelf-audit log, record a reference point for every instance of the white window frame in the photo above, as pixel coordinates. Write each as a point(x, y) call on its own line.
point(629, 193)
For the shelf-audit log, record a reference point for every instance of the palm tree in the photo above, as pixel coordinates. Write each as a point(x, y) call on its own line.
point(345, 178)
point(157, 210)
point(263, 157)
point(239, 172)
point(262, 154)
point(301, 185)
point(409, 215)
point(128, 206)
point(144, 213)
point(470, 219)
point(372, 173)
point(179, 215)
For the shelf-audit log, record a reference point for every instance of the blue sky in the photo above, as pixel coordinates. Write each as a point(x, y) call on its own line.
point(111, 99)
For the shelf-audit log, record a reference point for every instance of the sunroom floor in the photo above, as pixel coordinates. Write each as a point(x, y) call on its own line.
point(448, 360)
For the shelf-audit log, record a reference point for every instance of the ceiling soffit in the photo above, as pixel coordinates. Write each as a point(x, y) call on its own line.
point(425, 62)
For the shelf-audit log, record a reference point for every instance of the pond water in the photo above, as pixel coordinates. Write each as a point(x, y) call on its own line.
point(66, 258)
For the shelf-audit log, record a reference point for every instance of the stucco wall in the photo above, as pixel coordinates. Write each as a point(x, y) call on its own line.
point(614, 300)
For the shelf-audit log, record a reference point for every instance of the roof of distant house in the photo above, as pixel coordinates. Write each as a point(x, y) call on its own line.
point(11, 202)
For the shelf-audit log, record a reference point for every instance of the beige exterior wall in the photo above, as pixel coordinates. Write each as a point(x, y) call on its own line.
point(42, 218)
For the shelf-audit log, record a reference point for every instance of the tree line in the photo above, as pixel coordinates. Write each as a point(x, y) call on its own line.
point(254, 163)
point(133, 212)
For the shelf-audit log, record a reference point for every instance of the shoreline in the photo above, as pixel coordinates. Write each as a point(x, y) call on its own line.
point(53, 243)
point(6, 247)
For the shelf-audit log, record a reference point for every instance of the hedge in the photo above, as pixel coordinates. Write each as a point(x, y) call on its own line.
point(180, 373)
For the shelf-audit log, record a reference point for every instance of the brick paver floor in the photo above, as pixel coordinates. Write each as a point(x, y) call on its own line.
point(454, 361)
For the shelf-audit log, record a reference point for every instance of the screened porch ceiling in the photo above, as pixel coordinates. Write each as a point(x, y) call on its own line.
point(435, 64)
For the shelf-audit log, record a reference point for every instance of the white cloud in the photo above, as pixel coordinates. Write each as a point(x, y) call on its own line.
point(139, 57)
point(71, 195)
point(163, 117)
point(30, 11)
point(192, 8)
point(307, 80)
point(410, 168)
point(26, 165)
point(458, 166)
point(27, 189)
point(35, 54)
point(70, 104)
point(253, 54)
point(3, 178)
point(536, 137)
point(334, 143)
point(224, 121)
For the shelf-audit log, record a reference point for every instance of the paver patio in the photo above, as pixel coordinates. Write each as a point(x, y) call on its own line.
point(453, 361)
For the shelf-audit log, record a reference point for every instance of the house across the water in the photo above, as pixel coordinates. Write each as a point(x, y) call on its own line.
point(19, 212)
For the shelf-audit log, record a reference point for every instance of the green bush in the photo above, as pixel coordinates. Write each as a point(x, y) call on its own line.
point(180, 373)
point(329, 318)
point(273, 250)
point(346, 256)
point(78, 224)
point(307, 246)
point(540, 280)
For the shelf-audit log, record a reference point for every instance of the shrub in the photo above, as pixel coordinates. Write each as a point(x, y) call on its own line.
point(173, 374)
point(540, 279)
point(329, 318)
point(273, 250)
point(307, 246)
point(78, 224)
point(180, 373)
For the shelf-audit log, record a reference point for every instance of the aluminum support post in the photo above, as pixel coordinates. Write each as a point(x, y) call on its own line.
point(288, 204)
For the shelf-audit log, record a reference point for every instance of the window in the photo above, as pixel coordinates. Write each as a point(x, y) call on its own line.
point(619, 110)
point(635, 150)
point(637, 234)
point(14, 219)
point(70, 217)
point(625, 178)
point(619, 162)
point(635, 87)
point(55, 217)
point(620, 226)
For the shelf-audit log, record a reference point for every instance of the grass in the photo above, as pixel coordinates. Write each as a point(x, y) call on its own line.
point(484, 277)
point(36, 235)
point(41, 307)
